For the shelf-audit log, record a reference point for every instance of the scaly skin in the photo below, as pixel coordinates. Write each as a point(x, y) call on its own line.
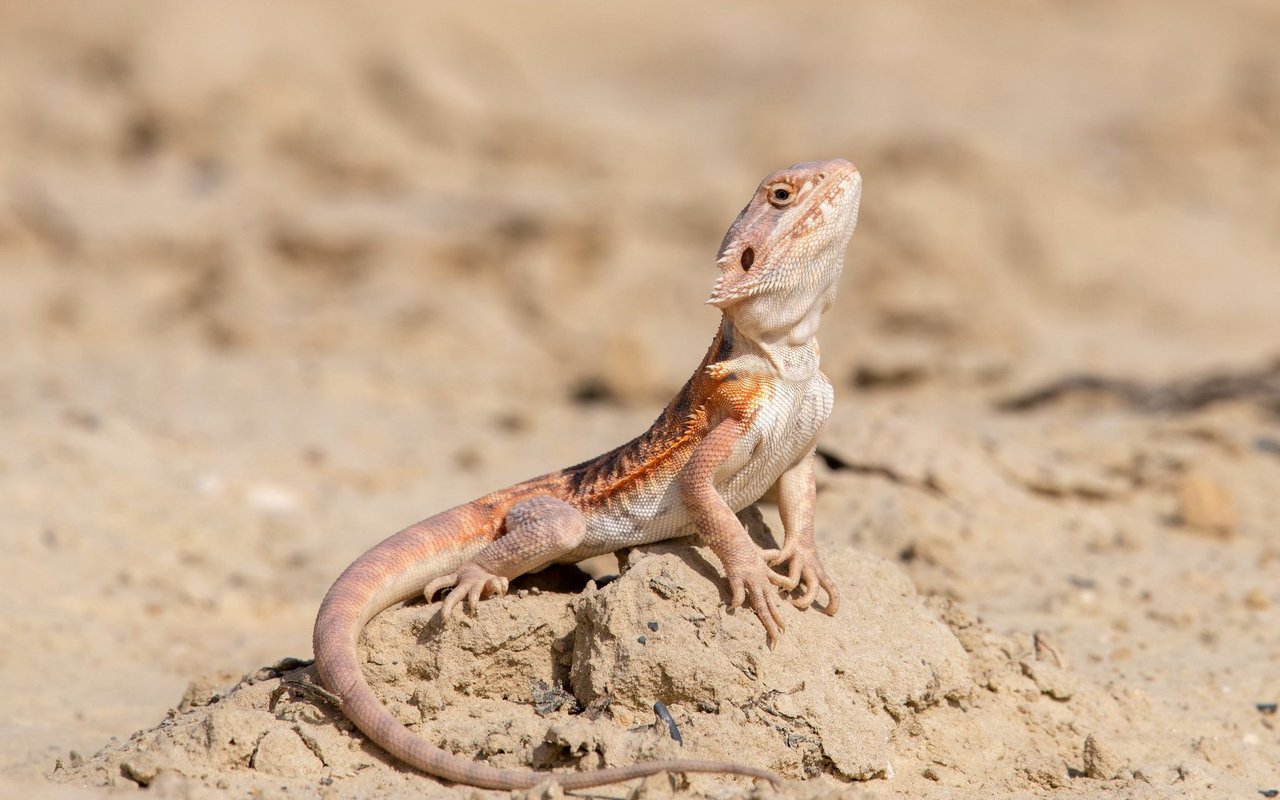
point(745, 425)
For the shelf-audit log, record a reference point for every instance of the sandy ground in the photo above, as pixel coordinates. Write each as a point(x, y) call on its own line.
point(281, 278)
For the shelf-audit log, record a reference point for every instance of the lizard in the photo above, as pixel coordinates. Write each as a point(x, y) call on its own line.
point(743, 428)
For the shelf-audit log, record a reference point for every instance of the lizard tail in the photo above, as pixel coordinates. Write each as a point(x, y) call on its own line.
point(396, 570)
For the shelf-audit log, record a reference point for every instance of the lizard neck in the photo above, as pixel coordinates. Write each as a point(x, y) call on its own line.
point(791, 355)
point(779, 327)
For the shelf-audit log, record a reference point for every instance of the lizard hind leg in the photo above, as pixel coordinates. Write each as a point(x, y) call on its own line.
point(538, 531)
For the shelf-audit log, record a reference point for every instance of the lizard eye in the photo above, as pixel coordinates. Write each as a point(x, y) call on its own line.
point(781, 194)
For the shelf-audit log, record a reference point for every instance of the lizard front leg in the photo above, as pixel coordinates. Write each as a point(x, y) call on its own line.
point(539, 531)
point(796, 493)
point(750, 579)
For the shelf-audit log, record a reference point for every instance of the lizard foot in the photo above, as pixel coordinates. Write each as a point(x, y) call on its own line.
point(471, 583)
point(724, 370)
point(719, 371)
point(805, 570)
point(757, 584)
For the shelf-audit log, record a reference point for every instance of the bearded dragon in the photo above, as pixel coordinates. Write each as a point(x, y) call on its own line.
point(742, 428)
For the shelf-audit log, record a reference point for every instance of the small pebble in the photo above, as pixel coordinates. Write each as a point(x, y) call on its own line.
point(141, 770)
point(282, 752)
point(1049, 679)
point(653, 626)
point(641, 639)
point(1100, 762)
point(1256, 600)
point(1266, 708)
point(1205, 506)
point(272, 499)
point(1266, 444)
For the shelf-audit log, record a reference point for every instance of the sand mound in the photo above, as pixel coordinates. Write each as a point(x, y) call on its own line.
point(550, 680)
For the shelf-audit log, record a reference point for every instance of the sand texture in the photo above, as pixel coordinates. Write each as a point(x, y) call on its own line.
point(277, 279)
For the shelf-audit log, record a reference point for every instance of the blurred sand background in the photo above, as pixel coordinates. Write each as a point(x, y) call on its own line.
point(277, 279)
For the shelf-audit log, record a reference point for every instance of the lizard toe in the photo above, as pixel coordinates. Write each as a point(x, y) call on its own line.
point(795, 573)
point(442, 582)
point(764, 602)
point(771, 617)
point(781, 581)
point(474, 594)
point(833, 595)
point(794, 565)
point(810, 583)
point(777, 556)
point(451, 604)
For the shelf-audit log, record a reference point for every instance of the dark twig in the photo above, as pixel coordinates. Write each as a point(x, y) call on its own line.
point(664, 714)
point(1171, 397)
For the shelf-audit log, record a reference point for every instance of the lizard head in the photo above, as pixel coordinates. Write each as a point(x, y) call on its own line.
point(781, 258)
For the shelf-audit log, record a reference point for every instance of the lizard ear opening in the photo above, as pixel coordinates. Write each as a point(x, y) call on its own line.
point(748, 257)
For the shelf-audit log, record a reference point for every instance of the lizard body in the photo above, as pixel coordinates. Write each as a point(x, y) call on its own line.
point(744, 426)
